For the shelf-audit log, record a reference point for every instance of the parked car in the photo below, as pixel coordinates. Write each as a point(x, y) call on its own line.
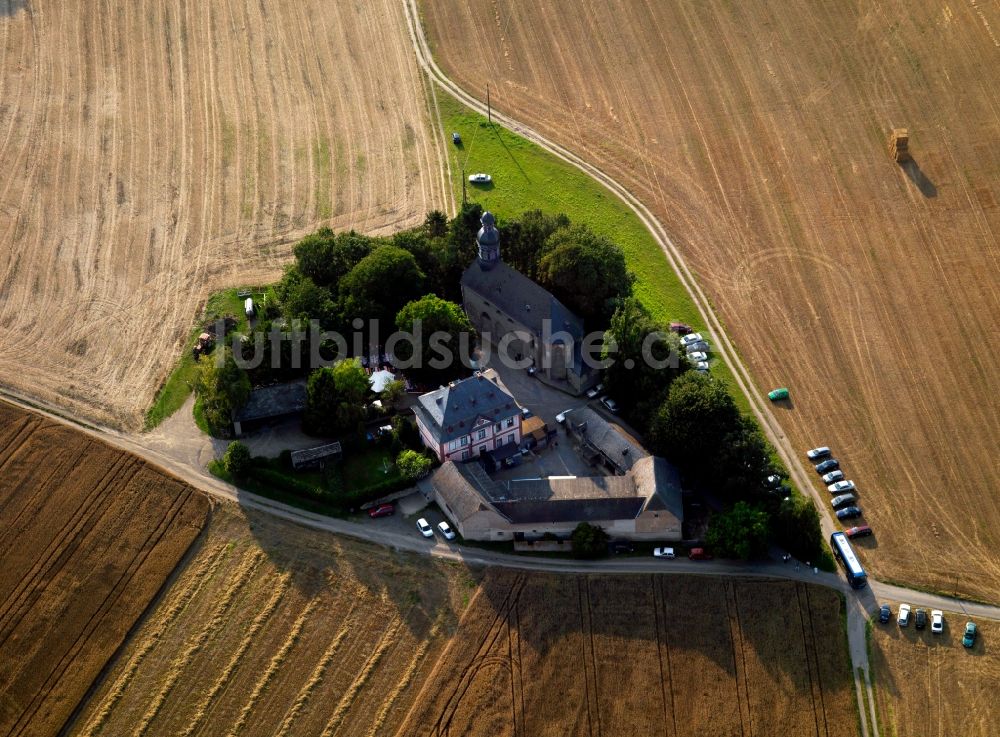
point(884, 613)
point(621, 547)
point(773, 481)
point(839, 501)
point(561, 417)
point(859, 531)
point(382, 510)
point(699, 554)
point(830, 464)
point(595, 392)
point(969, 638)
point(848, 513)
point(903, 620)
point(480, 178)
point(833, 477)
point(526, 413)
point(663, 553)
point(445, 528)
point(700, 366)
point(456, 138)
point(425, 529)
point(840, 487)
point(778, 395)
point(700, 345)
point(697, 357)
point(680, 328)
point(610, 404)
point(690, 338)
point(816, 453)
point(937, 621)
point(920, 619)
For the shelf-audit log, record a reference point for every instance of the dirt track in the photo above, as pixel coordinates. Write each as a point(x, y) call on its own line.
point(153, 152)
point(758, 137)
point(88, 535)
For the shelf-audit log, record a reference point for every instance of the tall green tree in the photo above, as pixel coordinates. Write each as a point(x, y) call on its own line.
point(741, 532)
point(690, 425)
point(446, 322)
point(222, 388)
point(380, 285)
point(326, 257)
point(523, 239)
point(644, 363)
point(589, 541)
point(335, 399)
point(436, 224)
point(586, 271)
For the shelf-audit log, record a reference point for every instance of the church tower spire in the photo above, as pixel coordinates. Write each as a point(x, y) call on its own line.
point(488, 241)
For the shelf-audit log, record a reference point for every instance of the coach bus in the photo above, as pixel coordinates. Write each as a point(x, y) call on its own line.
point(843, 552)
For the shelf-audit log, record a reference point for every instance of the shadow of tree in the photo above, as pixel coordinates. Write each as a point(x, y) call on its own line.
point(10, 8)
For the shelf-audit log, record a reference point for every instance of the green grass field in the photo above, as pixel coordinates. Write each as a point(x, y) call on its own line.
point(179, 385)
point(526, 177)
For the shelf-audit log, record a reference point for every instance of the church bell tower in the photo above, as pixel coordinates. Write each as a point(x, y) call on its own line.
point(488, 241)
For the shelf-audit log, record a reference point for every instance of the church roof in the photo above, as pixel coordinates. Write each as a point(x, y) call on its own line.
point(523, 300)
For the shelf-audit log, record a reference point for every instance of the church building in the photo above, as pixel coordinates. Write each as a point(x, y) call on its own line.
point(514, 313)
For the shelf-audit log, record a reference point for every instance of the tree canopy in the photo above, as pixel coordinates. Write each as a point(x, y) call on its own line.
point(436, 315)
point(379, 285)
point(335, 398)
point(222, 390)
point(589, 541)
point(413, 465)
point(325, 257)
point(586, 271)
point(741, 532)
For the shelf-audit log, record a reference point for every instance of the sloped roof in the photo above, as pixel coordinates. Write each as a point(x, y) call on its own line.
point(605, 437)
point(658, 481)
point(453, 411)
point(460, 486)
point(571, 510)
point(274, 401)
point(523, 300)
point(565, 489)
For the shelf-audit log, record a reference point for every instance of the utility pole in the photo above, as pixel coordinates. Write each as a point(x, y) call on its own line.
point(489, 110)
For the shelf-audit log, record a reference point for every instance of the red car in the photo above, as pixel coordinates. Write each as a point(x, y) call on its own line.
point(699, 554)
point(680, 328)
point(859, 531)
point(382, 510)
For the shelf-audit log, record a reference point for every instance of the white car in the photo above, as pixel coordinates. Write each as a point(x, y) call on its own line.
point(697, 357)
point(903, 620)
point(445, 528)
point(937, 621)
point(610, 404)
point(701, 347)
point(480, 178)
point(819, 452)
point(561, 417)
point(425, 529)
point(690, 338)
point(595, 392)
point(663, 553)
point(833, 477)
point(840, 487)
point(700, 366)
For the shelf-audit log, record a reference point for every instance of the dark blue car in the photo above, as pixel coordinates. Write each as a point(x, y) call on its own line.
point(830, 464)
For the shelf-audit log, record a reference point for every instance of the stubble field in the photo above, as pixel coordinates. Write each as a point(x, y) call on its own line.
point(930, 686)
point(88, 535)
point(155, 152)
point(272, 629)
point(757, 132)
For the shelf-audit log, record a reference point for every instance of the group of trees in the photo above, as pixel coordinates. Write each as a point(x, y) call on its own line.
point(336, 398)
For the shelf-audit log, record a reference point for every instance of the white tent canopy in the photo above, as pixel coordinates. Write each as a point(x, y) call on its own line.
point(379, 380)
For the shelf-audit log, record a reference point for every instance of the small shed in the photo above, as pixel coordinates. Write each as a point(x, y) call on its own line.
point(270, 404)
point(316, 457)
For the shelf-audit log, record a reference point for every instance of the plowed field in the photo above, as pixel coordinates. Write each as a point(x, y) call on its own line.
point(272, 629)
point(152, 152)
point(757, 132)
point(672, 655)
point(930, 686)
point(88, 535)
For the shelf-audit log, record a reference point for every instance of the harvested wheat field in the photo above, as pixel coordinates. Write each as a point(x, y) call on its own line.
point(88, 535)
point(930, 686)
point(156, 151)
point(672, 655)
point(273, 629)
point(758, 134)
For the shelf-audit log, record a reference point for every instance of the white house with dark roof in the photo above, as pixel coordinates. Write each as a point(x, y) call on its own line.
point(468, 418)
point(501, 301)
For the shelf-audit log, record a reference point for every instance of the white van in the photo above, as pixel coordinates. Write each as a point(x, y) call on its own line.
point(248, 307)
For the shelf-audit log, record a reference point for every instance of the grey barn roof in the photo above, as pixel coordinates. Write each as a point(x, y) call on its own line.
point(454, 409)
point(603, 436)
point(274, 401)
point(516, 295)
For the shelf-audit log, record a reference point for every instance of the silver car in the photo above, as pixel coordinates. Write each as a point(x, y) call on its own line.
point(691, 338)
point(697, 357)
point(839, 501)
point(840, 487)
point(833, 477)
